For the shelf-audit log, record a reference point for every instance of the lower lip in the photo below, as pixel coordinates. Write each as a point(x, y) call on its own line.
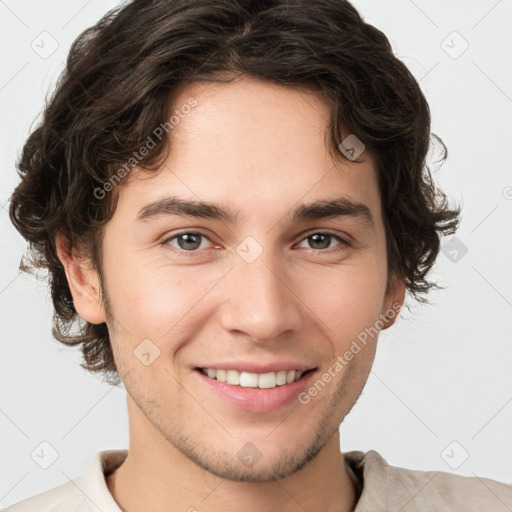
point(257, 399)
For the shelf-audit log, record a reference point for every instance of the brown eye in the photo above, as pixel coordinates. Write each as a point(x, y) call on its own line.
point(320, 241)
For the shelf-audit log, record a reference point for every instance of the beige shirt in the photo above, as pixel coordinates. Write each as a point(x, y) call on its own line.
point(382, 488)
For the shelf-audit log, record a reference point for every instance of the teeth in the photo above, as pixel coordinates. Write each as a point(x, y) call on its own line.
point(281, 378)
point(267, 380)
point(253, 380)
point(248, 380)
point(233, 377)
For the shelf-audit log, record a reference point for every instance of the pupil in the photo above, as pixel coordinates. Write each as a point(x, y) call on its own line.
point(186, 239)
point(190, 238)
point(325, 237)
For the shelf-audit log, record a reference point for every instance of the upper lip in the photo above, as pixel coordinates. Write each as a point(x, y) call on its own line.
point(253, 367)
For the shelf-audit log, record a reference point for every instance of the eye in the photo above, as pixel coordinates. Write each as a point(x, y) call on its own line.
point(191, 241)
point(322, 240)
point(187, 241)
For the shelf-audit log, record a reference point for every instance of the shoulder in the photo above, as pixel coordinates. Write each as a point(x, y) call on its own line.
point(82, 494)
point(64, 498)
point(414, 490)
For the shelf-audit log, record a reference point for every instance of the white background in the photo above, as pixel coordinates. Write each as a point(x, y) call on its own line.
point(443, 373)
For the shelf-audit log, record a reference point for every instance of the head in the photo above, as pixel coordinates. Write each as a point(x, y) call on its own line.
point(187, 192)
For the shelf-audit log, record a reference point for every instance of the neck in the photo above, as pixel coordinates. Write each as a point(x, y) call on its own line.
point(156, 476)
point(148, 481)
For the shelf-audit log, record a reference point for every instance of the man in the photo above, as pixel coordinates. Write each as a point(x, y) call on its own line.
point(233, 197)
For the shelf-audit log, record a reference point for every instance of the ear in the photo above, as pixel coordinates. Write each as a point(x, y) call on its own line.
point(83, 281)
point(393, 301)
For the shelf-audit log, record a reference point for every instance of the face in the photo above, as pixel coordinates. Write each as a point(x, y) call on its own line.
point(272, 285)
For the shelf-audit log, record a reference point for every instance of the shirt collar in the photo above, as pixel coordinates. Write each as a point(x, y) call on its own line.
point(93, 483)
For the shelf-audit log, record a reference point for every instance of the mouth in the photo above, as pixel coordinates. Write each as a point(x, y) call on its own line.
point(258, 392)
point(267, 380)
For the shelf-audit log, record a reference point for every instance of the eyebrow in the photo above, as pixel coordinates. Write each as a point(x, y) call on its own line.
point(322, 209)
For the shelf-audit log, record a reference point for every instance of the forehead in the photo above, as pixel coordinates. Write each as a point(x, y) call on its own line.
point(258, 146)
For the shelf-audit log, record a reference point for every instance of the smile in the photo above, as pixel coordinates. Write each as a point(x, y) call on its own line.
point(253, 380)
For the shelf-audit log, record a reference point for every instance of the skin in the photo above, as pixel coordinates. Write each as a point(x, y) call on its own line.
point(260, 149)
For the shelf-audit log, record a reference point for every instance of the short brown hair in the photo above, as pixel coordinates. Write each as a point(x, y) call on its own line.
point(119, 81)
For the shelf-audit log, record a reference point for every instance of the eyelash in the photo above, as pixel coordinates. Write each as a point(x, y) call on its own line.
point(342, 246)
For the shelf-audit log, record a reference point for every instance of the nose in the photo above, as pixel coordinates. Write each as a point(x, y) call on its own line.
point(261, 300)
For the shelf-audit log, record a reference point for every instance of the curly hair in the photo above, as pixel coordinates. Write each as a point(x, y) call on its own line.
point(121, 76)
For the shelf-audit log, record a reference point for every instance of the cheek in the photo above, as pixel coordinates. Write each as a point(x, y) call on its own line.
point(346, 299)
point(153, 299)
